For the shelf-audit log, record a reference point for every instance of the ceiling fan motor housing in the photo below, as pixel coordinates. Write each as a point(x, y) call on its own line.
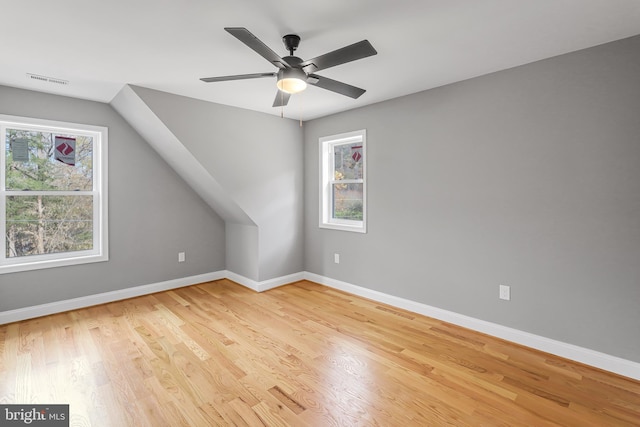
point(293, 61)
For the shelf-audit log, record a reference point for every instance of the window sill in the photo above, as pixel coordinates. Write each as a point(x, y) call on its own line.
point(360, 228)
point(51, 263)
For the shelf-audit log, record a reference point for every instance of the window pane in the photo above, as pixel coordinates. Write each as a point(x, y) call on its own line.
point(32, 165)
point(348, 160)
point(347, 201)
point(48, 224)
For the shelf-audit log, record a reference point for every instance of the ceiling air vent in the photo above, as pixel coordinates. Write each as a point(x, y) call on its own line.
point(47, 79)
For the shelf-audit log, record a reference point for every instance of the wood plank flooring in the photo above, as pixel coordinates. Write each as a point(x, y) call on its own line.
point(299, 355)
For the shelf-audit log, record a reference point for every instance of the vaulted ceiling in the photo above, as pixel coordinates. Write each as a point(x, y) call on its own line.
point(99, 46)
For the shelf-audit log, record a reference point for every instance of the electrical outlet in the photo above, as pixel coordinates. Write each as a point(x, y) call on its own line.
point(505, 292)
point(336, 258)
point(181, 257)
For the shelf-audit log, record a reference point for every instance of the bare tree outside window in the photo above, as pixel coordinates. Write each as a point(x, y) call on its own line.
point(343, 182)
point(53, 194)
point(50, 220)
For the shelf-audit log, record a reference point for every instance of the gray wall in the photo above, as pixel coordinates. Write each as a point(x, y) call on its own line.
point(258, 160)
point(243, 250)
point(153, 214)
point(528, 177)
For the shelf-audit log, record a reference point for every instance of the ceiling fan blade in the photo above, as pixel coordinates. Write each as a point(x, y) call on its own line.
point(335, 86)
point(346, 54)
point(237, 77)
point(260, 48)
point(282, 99)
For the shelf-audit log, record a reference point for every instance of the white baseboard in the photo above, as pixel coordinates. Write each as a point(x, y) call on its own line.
point(103, 298)
point(589, 357)
point(264, 285)
point(106, 297)
point(569, 351)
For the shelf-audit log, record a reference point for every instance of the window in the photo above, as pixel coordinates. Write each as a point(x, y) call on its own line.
point(343, 192)
point(53, 194)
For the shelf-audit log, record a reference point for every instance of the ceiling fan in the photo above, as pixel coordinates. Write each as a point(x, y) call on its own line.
point(293, 73)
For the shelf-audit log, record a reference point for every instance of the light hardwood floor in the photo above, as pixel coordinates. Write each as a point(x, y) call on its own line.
point(302, 354)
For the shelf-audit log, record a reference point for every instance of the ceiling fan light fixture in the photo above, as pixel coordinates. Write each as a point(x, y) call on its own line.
point(292, 80)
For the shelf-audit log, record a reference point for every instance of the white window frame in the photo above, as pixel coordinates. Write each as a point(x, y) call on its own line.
point(100, 251)
point(327, 159)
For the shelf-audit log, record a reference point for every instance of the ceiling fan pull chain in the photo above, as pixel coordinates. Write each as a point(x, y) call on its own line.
point(301, 110)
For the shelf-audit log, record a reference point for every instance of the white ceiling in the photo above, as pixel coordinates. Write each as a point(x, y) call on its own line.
point(99, 46)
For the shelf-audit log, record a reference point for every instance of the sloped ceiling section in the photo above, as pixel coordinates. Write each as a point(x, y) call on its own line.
point(153, 130)
point(247, 166)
